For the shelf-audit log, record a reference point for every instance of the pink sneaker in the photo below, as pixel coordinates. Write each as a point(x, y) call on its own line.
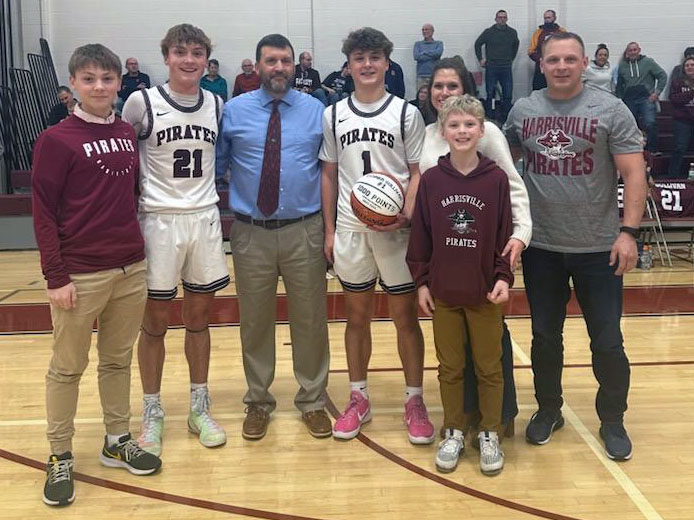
point(419, 428)
point(358, 412)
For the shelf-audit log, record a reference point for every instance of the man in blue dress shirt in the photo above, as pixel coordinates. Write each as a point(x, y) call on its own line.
point(288, 241)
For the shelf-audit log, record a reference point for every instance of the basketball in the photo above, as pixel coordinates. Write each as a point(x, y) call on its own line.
point(377, 198)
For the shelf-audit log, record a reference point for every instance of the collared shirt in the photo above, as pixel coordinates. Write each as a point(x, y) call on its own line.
point(241, 147)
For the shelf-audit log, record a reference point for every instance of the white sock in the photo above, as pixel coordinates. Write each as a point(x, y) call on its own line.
point(198, 386)
point(149, 398)
point(113, 439)
point(412, 391)
point(360, 386)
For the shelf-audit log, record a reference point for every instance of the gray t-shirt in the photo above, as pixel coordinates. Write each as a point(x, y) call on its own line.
point(569, 171)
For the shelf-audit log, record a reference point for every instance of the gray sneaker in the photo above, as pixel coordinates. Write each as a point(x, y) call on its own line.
point(450, 450)
point(491, 456)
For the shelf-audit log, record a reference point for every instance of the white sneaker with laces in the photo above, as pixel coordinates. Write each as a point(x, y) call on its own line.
point(491, 456)
point(152, 428)
point(201, 423)
point(450, 450)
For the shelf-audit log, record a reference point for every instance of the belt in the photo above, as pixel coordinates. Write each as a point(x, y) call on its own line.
point(272, 224)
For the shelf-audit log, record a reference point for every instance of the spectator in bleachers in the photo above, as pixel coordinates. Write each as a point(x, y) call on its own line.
point(339, 84)
point(682, 100)
point(500, 42)
point(640, 80)
point(549, 26)
point(64, 108)
point(213, 81)
point(599, 73)
point(307, 79)
point(395, 81)
point(422, 104)
point(248, 80)
point(677, 69)
point(426, 52)
point(132, 80)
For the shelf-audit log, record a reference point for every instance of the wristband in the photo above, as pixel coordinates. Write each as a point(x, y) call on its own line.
point(634, 232)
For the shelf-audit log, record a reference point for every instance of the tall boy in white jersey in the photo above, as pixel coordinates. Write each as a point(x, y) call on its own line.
point(177, 125)
point(373, 131)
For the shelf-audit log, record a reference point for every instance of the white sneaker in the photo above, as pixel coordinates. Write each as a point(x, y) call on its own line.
point(201, 423)
point(450, 450)
point(152, 428)
point(491, 456)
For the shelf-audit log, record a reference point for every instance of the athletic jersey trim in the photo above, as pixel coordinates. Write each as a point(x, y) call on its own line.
point(207, 288)
point(397, 289)
point(358, 287)
point(150, 117)
point(181, 108)
point(153, 294)
point(380, 110)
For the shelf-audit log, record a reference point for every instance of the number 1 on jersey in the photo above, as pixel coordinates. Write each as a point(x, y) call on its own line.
point(366, 157)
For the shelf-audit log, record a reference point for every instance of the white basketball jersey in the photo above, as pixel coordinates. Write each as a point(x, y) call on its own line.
point(385, 139)
point(177, 153)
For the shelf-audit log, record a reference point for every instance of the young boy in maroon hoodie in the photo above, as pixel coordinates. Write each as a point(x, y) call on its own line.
point(461, 222)
point(92, 256)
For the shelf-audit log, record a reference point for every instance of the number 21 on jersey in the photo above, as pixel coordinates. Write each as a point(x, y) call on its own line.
point(182, 163)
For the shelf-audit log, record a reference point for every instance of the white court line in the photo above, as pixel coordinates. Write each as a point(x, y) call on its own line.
point(615, 470)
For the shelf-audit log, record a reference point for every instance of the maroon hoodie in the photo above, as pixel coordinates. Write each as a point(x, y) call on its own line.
point(83, 184)
point(682, 99)
point(460, 226)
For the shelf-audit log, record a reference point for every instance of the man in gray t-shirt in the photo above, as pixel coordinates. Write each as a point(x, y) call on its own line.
point(574, 140)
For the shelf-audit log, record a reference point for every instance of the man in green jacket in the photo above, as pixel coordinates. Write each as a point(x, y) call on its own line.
point(640, 80)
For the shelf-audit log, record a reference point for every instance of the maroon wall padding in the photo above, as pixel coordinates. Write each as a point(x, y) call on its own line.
point(19, 204)
point(20, 179)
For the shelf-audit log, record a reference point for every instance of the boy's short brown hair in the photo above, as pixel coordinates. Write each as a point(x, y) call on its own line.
point(182, 34)
point(94, 54)
point(465, 104)
point(367, 39)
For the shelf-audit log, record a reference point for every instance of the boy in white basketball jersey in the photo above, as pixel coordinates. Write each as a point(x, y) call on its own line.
point(373, 131)
point(177, 126)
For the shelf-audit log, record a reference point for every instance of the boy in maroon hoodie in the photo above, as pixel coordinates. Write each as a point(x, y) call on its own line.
point(93, 259)
point(461, 222)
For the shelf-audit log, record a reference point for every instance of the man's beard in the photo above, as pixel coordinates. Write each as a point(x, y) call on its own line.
point(277, 86)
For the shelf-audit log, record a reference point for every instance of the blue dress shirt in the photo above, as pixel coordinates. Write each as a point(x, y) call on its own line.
point(241, 146)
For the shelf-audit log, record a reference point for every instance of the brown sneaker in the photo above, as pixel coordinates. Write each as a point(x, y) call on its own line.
point(318, 423)
point(255, 423)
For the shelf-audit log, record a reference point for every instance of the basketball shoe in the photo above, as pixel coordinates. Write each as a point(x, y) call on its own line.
point(419, 428)
point(358, 412)
point(201, 423)
point(151, 428)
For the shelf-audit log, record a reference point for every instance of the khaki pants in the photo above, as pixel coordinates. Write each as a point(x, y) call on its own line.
point(116, 299)
point(296, 253)
point(481, 325)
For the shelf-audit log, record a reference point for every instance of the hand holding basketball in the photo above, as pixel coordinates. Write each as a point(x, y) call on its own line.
point(377, 199)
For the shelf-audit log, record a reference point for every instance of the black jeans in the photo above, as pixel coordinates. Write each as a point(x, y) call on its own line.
point(599, 293)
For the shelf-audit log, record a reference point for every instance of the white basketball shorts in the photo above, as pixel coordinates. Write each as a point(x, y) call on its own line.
point(362, 258)
point(184, 246)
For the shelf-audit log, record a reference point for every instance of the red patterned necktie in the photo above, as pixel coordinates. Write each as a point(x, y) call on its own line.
point(269, 190)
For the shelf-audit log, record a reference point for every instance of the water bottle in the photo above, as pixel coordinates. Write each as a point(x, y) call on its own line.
point(646, 258)
point(690, 175)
